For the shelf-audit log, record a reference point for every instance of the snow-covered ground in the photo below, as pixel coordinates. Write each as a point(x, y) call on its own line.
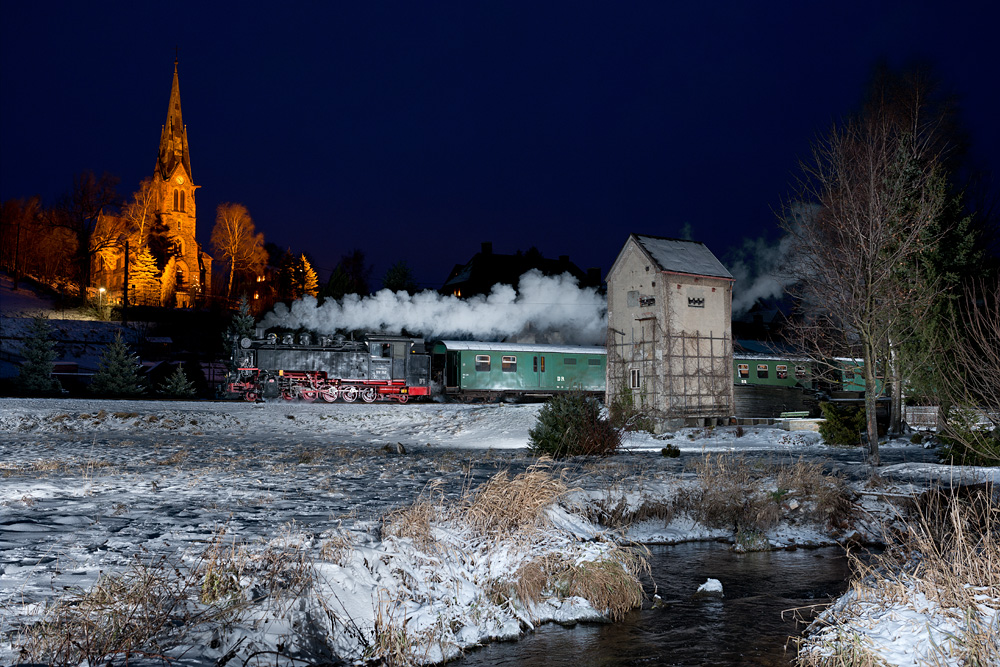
point(298, 524)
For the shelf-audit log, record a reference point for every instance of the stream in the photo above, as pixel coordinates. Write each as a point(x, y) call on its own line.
point(746, 626)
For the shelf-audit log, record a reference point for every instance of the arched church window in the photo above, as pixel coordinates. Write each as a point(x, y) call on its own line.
point(182, 200)
point(175, 200)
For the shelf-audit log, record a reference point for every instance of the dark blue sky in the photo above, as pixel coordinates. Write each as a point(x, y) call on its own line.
point(417, 130)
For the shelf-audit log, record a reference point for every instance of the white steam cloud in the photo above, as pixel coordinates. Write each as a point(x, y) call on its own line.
point(544, 308)
point(765, 270)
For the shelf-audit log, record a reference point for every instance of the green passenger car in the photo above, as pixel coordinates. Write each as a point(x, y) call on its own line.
point(773, 371)
point(493, 371)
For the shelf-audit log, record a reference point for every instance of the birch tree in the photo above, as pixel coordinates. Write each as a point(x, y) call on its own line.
point(879, 189)
point(236, 242)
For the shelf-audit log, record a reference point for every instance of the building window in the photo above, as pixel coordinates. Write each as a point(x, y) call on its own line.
point(632, 298)
point(482, 362)
point(182, 200)
point(175, 200)
point(744, 370)
point(696, 302)
point(593, 362)
point(569, 361)
point(647, 301)
point(635, 379)
point(509, 364)
point(800, 372)
point(762, 371)
point(781, 372)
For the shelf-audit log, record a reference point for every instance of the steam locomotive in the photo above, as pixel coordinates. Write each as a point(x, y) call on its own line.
point(394, 368)
point(331, 368)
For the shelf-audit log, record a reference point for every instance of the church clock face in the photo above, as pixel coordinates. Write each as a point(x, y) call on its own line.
point(180, 180)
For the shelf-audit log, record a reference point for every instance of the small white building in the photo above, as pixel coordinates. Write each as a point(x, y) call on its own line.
point(670, 347)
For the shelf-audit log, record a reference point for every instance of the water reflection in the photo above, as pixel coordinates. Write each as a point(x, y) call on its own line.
point(745, 627)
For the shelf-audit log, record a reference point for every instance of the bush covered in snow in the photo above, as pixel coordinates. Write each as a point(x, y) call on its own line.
point(572, 425)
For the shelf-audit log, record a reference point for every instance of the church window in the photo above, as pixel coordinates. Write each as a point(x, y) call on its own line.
point(175, 200)
point(182, 200)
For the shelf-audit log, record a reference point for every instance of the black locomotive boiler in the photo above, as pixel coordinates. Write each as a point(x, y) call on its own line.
point(331, 368)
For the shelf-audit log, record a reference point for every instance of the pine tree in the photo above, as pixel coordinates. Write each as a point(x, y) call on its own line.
point(38, 350)
point(177, 385)
point(310, 282)
point(118, 372)
point(144, 275)
point(242, 326)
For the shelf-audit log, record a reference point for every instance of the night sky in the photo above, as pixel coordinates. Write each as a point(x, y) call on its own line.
point(417, 130)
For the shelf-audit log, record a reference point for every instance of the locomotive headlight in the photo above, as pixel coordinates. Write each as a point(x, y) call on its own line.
point(281, 373)
point(404, 390)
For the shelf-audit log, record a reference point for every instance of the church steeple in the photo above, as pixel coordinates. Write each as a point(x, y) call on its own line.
point(173, 137)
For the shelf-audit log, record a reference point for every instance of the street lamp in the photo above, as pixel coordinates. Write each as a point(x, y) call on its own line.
point(100, 301)
point(124, 240)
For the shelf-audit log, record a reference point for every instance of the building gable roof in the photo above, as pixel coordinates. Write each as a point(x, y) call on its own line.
point(679, 256)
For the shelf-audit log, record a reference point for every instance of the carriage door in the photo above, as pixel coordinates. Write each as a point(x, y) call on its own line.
point(399, 360)
point(380, 356)
point(538, 368)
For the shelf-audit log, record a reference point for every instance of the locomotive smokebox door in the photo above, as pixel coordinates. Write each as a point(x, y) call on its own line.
point(270, 389)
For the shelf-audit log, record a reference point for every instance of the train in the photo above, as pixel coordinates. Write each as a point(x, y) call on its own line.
point(396, 368)
point(379, 367)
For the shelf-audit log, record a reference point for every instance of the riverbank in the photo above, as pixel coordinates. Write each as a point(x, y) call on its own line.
point(302, 531)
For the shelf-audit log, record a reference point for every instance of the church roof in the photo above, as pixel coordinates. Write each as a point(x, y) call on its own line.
point(173, 137)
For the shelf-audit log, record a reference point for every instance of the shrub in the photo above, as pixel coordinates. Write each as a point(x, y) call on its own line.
point(842, 425)
point(626, 415)
point(670, 451)
point(177, 385)
point(967, 442)
point(571, 425)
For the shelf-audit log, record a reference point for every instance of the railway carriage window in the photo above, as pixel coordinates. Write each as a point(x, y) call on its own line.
point(762, 371)
point(534, 364)
point(744, 370)
point(800, 372)
point(569, 361)
point(635, 379)
point(781, 372)
point(381, 350)
point(593, 362)
point(509, 364)
point(482, 362)
point(543, 364)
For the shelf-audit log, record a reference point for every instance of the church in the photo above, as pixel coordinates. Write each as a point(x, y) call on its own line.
point(184, 279)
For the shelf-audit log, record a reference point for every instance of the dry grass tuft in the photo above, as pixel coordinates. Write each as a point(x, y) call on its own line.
point(505, 505)
point(948, 551)
point(612, 584)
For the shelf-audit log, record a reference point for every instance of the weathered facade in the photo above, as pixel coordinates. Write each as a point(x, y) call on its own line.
point(670, 349)
point(187, 276)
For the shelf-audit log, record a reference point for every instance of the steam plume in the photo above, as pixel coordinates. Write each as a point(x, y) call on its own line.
point(549, 308)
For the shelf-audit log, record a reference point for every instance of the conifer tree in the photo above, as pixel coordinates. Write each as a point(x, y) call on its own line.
point(310, 282)
point(177, 385)
point(144, 275)
point(118, 372)
point(38, 350)
point(241, 326)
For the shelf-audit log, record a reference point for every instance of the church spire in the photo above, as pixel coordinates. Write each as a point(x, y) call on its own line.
point(173, 137)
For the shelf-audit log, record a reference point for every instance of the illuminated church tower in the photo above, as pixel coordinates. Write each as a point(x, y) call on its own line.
point(176, 203)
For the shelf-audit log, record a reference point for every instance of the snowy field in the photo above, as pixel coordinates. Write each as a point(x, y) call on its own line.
point(294, 524)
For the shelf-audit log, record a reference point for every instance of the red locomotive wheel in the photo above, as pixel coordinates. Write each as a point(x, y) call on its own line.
point(402, 398)
point(309, 395)
point(250, 397)
point(369, 394)
point(350, 394)
point(330, 395)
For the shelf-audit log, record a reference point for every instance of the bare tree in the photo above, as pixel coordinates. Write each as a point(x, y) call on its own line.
point(969, 377)
point(878, 186)
point(88, 211)
point(236, 242)
point(140, 212)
